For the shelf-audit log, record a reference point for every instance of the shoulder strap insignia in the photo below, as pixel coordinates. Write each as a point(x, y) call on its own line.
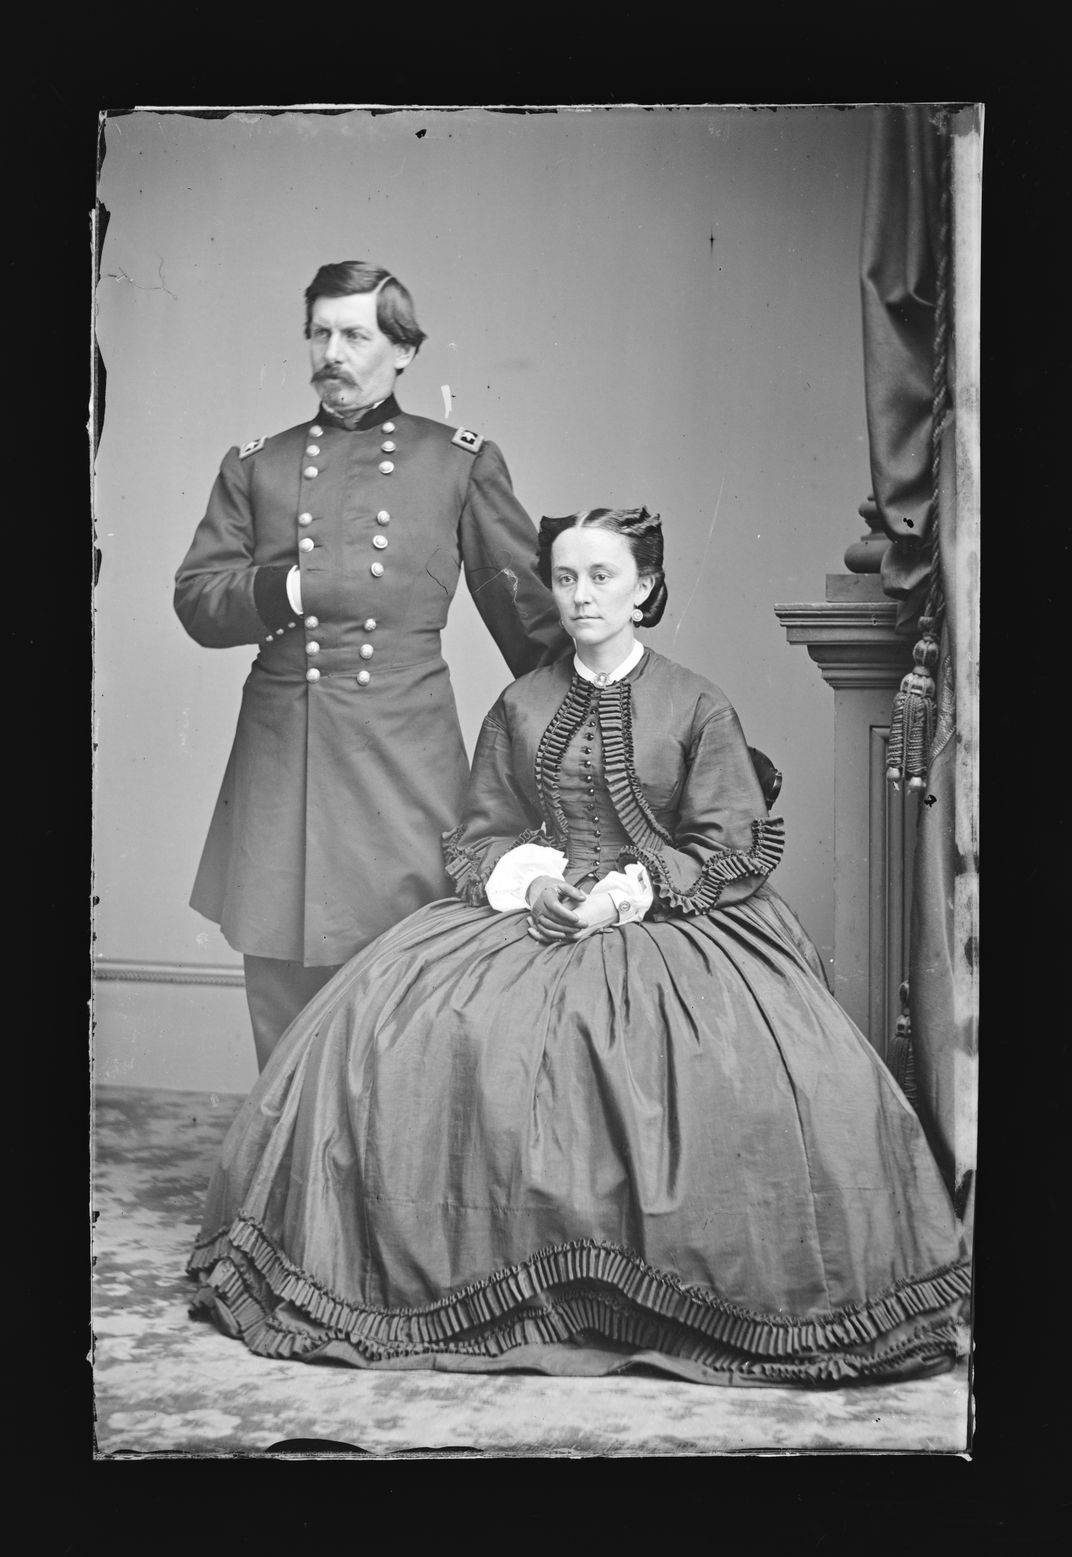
point(465, 439)
point(251, 447)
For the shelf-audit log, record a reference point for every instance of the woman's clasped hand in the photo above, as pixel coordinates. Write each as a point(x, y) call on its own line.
point(551, 918)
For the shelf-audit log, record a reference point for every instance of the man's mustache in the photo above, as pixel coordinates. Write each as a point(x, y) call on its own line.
point(322, 375)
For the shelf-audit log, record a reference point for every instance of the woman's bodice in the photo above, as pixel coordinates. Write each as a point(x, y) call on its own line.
point(654, 764)
point(595, 834)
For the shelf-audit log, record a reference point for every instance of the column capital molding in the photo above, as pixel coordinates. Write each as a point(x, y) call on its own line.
point(853, 641)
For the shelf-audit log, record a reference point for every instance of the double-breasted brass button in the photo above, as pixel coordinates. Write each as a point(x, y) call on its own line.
point(310, 471)
point(385, 468)
point(305, 518)
point(388, 427)
point(376, 570)
point(312, 674)
point(383, 517)
point(312, 647)
point(316, 431)
point(313, 448)
point(388, 446)
point(312, 621)
point(379, 541)
point(370, 624)
point(306, 543)
point(367, 651)
point(363, 678)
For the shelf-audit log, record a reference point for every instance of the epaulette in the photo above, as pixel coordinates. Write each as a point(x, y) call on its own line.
point(251, 447)
point(465, 439)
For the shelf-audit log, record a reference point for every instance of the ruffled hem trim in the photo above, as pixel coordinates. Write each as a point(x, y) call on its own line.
point(568, 1290)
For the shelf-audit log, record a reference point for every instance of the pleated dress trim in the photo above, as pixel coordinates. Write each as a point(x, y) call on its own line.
point(572, 1290)
point(612, 706)
point(470, 871)
point(768, 842)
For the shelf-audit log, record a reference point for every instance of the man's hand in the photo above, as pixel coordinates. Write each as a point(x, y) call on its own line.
point(550, 917)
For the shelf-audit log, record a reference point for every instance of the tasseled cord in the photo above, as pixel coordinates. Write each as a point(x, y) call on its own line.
point(901, 1058)
point(912, 718)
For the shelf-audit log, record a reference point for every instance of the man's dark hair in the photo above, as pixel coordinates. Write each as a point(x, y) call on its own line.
point(394, 306)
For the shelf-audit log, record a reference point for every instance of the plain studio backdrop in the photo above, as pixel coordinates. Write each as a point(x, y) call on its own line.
point(639, 306)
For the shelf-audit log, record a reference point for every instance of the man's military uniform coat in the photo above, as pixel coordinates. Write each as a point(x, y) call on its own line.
point(348, 764)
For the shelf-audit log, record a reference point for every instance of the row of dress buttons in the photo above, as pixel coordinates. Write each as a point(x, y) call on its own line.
point(589, 735)
point(388, 446)
point(316, 431)
point(383, 517)
point(385, 467)
point(313, 448)
point(362, 678)
point(376, 569)
point(366, 651)
point(380, 542)
point(312, 647)
point(307, 544)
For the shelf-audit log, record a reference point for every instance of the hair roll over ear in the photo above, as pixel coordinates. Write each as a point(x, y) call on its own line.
point(642, 530)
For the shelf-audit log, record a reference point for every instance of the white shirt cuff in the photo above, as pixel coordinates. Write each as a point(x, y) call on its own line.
point(294, 589)
point(630, 891)
point(517, 870)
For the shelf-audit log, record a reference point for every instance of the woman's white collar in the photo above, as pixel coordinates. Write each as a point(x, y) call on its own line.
point(635, 655)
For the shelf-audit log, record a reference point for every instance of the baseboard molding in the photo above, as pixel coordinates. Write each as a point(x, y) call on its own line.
point(122, 970)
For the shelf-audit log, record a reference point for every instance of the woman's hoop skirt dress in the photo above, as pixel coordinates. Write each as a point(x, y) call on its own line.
point(663, 1144)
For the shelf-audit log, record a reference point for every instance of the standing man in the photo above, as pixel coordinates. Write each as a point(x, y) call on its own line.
point(335, 547)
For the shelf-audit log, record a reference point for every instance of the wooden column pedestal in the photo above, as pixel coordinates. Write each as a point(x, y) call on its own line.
point(850, 635)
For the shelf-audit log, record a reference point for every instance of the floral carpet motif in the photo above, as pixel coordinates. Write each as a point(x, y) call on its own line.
point(167, 1385)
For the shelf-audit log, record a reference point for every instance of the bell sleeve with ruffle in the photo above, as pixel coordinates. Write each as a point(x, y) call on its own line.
point(496, 817)
point(724, 845)
point(507, 886)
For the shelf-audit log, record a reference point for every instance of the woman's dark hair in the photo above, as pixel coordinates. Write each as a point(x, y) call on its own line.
point(394, 307)
point(642, 530)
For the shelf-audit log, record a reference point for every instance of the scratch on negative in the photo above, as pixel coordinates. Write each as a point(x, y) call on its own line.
point(500, 573)
point(121, 275)
point(703, 562)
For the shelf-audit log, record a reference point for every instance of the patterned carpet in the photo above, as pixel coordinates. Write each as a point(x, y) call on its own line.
point(170, 1386)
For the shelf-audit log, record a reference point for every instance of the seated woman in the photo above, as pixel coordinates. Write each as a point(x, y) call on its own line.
point(602, 1110)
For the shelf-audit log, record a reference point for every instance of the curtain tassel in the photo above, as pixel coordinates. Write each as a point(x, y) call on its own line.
point(902, 1061)
point(913, 716)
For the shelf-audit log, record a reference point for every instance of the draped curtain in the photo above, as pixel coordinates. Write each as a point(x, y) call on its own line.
point(909, 284)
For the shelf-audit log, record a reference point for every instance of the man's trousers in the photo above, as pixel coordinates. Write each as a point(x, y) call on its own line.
point(276, 990)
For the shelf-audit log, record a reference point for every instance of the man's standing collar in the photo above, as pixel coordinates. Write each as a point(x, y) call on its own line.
point(374, 418)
